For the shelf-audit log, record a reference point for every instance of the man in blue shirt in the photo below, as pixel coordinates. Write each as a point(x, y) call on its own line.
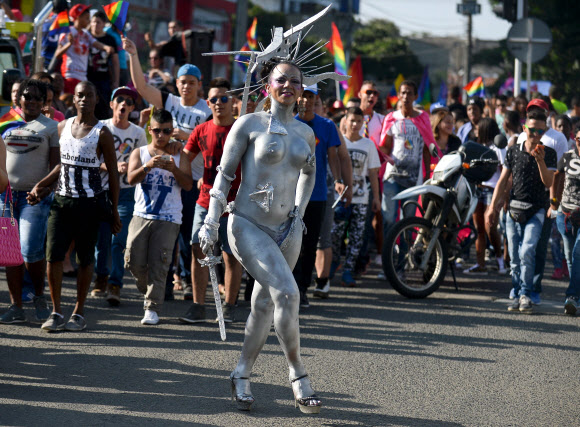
point(327, 141)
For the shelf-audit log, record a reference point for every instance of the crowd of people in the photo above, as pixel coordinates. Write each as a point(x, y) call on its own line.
point(119, 167)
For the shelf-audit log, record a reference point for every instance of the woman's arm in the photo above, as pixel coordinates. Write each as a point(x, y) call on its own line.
point(3, 173)
point(306, 180)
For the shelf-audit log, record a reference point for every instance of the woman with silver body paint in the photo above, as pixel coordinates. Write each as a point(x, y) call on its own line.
point(265, 227)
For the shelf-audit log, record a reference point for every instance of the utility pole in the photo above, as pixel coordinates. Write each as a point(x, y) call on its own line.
point(468, 8)
point(521, 13)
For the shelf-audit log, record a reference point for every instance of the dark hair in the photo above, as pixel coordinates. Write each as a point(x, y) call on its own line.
point(162, 116)
point(28, 83)
point(88, 84)
point(501, 98)
point(101, 15)
point(355, 111)
point(39, 75)
point(565, 118)
point(409, 83)
point(177, 22)
point(487, 130)
point(536, 114)
point(455, 92)
point(548, 101)
point(220, 82)
point(368, 82)
point(354, 99)
point(512, 121)
point(555, 92)
point(521, 98)
point(269, 67)
point(575, 102)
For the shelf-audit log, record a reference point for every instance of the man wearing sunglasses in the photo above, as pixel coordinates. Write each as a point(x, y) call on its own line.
point(557, 141)
point(127, 137)
point(208, 139)
point(159, 178)
point(531, 166)
point(373, 121)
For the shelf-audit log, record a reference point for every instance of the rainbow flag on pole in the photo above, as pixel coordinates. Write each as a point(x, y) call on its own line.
point(475, 87)
point(355, 82)
point(252, 35)
point(61, 24)
point(117, 13)
point(336, 49)
point(393, 96)
point(10, 120)
point(424, 97)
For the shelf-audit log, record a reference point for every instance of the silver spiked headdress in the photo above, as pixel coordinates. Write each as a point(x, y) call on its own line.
point(285, 46)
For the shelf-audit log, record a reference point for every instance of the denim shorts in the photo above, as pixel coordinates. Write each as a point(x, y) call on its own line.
point(485, 195)
point(198, 217)
point(32, 222)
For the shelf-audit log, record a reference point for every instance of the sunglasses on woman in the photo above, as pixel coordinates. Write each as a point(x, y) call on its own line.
point(223, 99)
point(166, 131)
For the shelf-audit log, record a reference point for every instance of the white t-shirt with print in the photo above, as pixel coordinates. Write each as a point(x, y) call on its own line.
point(76, 58)
point(363, 156)
point(187, 118)
point(500, 153)
point(407, 152)
point(126, 140)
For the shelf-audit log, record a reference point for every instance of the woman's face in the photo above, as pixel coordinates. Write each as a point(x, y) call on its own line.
point(521, 107)
point(446, 125)
point(285, 85)
point(473, 113)
point(578, 141)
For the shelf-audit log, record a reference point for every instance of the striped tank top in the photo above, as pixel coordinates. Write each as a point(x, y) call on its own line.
point(79, 174)
point(158, 196)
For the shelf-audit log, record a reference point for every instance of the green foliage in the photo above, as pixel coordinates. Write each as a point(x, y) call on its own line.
point(266, 21)
point(384, 53)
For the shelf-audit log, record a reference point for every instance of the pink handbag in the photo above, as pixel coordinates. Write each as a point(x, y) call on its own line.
point(10, 252)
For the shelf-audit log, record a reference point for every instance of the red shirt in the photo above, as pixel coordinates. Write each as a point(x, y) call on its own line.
point(209, 139)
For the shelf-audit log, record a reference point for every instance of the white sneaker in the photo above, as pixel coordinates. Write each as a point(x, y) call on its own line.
point(150, 318)
point(379, 260)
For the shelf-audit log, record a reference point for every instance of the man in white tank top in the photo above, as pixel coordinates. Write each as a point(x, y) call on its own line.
point(159, 178)
point(81, 202)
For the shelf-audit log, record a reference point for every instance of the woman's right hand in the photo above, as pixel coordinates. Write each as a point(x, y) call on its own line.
point(207, 238)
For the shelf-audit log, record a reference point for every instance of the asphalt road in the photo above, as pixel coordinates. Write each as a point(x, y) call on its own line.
point(375, 357)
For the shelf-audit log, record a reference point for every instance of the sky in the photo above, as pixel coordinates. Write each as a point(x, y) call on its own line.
point(437, 17)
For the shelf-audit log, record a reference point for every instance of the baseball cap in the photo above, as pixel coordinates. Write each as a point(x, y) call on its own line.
point(436, 106)
point(77, 10)
point(189, 70)
point(124, 90)
point(476, 100)
point(312, 88)
point(538, 103)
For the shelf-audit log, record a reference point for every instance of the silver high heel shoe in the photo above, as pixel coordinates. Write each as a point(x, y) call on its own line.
point(307, 405)
point(244, 401)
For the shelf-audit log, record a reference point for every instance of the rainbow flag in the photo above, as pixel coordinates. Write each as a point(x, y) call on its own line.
point(475, 87)
point(336, 49)
point(393, 96)
point(252, 35)
point(10, 120)
point(117, 13)
point(355, 82)
point(243, 60)
point(60, 25)
point(424, 97)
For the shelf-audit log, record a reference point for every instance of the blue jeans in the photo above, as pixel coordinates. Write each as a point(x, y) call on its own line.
point(541, 254)
point(523, 240)
point(200, 214)
point(119, 242)
point(390, 207)
point(32, 223)
point(572, 252)
point(103, 249)
point(556, 246)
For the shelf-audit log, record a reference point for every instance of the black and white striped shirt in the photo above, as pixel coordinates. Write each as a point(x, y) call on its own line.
point(79, 174)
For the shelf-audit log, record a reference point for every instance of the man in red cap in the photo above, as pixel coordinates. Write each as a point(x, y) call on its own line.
point(75, 48)
point(557, 141)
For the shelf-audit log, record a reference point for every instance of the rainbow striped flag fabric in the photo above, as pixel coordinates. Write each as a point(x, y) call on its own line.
point(117, 13)
point(356, 79)
point(10, 120)
point(393, 96)
point(252, 35)
point(475, 87)
point(60, 25)
point(336, 49)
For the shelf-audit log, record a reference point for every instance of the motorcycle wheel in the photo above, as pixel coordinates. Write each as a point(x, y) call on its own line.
point(403, 250)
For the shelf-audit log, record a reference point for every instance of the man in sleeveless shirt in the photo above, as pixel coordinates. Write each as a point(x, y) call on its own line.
point(81, 202)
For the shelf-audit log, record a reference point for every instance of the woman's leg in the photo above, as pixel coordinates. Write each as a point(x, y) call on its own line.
point(480, 243)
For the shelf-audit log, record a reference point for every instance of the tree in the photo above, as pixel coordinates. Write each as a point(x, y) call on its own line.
point(561, 66)
point(384, 53)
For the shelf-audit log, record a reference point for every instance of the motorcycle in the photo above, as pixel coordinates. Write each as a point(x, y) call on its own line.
point(417, 250)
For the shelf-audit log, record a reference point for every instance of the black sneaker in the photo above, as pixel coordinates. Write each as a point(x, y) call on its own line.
point(304, 303)
point(229, 312)
point(514, 305)
point(14, 315)
point(195, 314)
point(571, 305)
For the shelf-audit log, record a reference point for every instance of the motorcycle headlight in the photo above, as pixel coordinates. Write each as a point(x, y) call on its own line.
point(438, 176)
